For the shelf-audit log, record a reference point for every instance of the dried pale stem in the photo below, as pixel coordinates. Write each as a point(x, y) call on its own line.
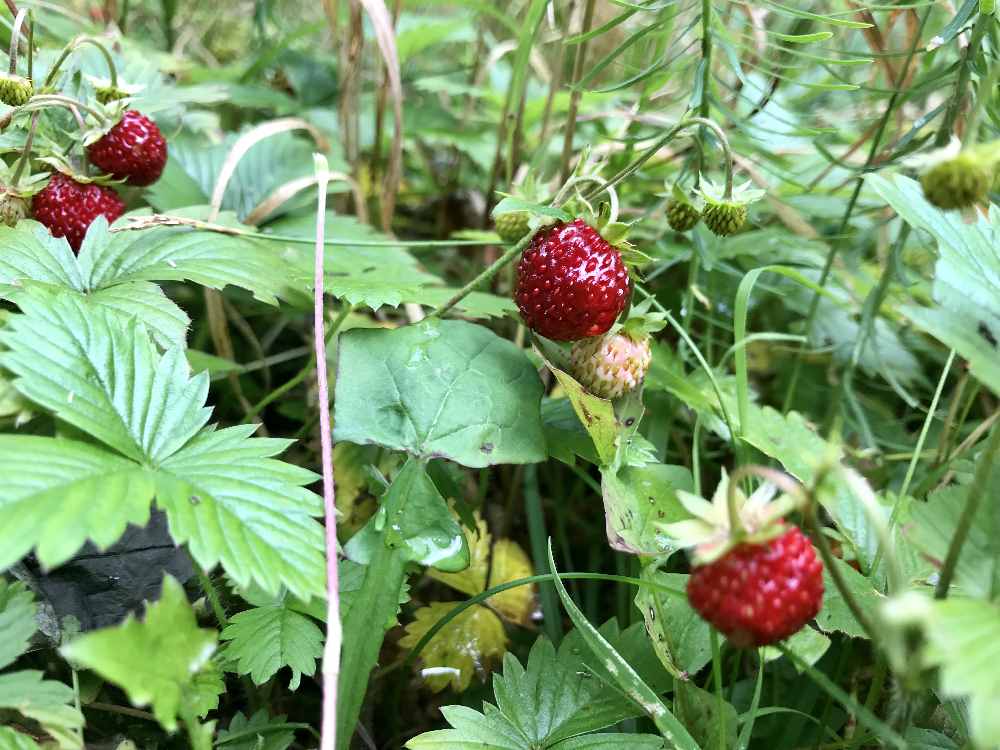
point(331, 650)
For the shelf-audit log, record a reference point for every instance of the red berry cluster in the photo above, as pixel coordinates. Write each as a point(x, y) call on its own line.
point(571, 282)
point(133, 150)
point(758, 594)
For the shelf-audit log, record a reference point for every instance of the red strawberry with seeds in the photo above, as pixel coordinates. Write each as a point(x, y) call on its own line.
point(133, 150)
point(571, 282)
point(68, 207)
point(759, 594)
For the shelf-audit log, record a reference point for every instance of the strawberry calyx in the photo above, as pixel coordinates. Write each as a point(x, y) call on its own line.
point(730, 519)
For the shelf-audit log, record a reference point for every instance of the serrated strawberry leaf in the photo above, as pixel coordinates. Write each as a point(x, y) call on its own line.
point(224, 494)
point(965, 314)
point(262, 640)
point(168, 633)
point(104, 377)
point(439, 389)
point(57, 494)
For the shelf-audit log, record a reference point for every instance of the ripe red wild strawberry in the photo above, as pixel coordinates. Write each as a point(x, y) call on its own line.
point(133, 150)
point(571, 283)
point(759, 594)
point(68, 207)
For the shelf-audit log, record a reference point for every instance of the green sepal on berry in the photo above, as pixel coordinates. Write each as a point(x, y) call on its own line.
point(709, 532)
point(726, 215)
point(15, 90)
point(105, 91)
point(682, 214)
point(513, 216)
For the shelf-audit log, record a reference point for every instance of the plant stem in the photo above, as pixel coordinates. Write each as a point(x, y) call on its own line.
point(964, 72)
point(487, 274)
point(574, 97)
point(331, 650)
point(212, 594)
point(849, 210)
point(976, 492)
point(15, 39)
point(915, 459)
point(25, 157)
point(69, 48)
point(727, 150)
point(63, 101)
point(838, 578)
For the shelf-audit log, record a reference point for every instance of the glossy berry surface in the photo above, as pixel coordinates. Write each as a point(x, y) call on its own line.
point(571, 283)
point(133, 150)
point(68, 207)
point(759, 594)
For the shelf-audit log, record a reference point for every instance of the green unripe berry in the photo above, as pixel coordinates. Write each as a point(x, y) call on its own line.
point(724, 218)
point(682, 216)
point(15, 90)
point(960, 182)
point(512, 226)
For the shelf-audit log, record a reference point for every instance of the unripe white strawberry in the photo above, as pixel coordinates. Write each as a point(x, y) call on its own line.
point(610, 366)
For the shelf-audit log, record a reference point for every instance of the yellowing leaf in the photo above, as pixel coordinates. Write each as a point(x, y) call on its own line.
point(471, 642)
point(510, 562)
point(472, 580)
point(349, 461)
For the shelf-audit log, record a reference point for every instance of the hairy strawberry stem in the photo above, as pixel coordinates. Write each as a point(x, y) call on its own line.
point(74, 45)
point(22, 161)
point(15, 40)
point(485, 276)
point(563, 195)
point(660, 142)
point(58, 100)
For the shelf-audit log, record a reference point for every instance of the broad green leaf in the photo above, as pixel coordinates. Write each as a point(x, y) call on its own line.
point(104, 376)
point(442, 389)
point(17, 620)
point(565, 436)
point(977, 571)
point(46, 701)
point(965, 315)
point(808, 644)
point(608, 741)
point(835, 614)
point(638, 498)
point(700, 712)
point(415, 519)
point(679, 636)
point(597, 415)
point(371, 611)
point(467, 645)
point(788, 439)
point(13, 740)
point(57, 494)
point(623, 675)
point(259, 732)
point(145, 301)
point(267, 165)
point(207, 684)
point(153, 661)
point(963, 640)
point(30, 253)
point(262, 640)
point(231, 502)
point(212, 259)
point(471, 730)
